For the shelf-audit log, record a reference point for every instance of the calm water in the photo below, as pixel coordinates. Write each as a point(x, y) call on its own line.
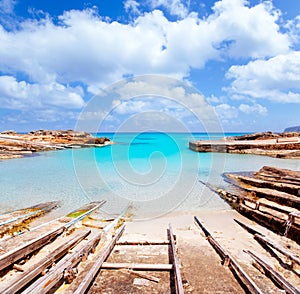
point(154, 172)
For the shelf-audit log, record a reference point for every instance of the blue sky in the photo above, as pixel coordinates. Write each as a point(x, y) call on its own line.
point(242, 56)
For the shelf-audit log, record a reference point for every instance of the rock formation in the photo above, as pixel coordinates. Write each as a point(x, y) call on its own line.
point(280, 145)
point(13, 145)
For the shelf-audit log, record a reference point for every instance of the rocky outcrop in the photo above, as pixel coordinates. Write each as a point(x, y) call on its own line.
point(101, 140)
point(283, 145)
point(13, 145)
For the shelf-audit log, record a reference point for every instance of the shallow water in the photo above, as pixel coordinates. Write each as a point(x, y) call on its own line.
point(154, 172)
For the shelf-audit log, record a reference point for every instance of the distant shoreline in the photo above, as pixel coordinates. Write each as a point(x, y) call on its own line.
point(278, 145)
point(17, 145)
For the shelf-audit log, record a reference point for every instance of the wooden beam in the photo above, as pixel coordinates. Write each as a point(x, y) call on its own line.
point(28, 275)
point(260, 237)
point(83, 286)
point(279, 248)
point(275, 276)
point(23, 250)
point(141, 275)
point(220, 250)
point(27, 248)
point(138, 266)
point(231, 262)
point(143, 243)
point(65, 265)
point(247, 228)
point(179, 285)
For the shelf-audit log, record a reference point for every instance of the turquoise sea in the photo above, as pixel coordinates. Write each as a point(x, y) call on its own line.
point(155, 173)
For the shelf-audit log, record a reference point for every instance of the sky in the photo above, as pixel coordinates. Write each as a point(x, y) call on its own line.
point(242, 57)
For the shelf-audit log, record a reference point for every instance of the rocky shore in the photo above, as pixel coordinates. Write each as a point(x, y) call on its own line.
point(15, 145)
point(280, 145)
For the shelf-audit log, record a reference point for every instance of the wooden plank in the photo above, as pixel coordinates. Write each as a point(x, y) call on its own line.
point(94, 205)
point(65, 265)
point(275, 276)
point(179, 285)
point(23, 250)
point(19, 220)
point(247, 228)
point(142, 243)
point(141, 275)
point(12, 216)
point(138, 266)
point(246, 279)
point(260, 237)
point(28, 275)
point(279, 248)
point(83, 286)
point(220, 250)
point(231, 262)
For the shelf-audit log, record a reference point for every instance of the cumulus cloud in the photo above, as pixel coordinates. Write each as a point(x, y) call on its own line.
point(22, 95)
point(276, 79)
point(226, 111)
point(174, 7)
point(84, 47)
point(255, 108)
point(146, 94)
point(132, 6)
point(7, 6)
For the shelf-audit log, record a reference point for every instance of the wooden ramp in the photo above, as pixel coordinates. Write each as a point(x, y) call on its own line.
point(241, 274)
point(18, 220)
point(27, 260)
point(85, 282)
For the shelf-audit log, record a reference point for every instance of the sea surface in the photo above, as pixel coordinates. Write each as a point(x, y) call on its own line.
point(153, 173)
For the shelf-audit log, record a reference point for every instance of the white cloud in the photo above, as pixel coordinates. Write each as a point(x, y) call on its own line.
point(255, 108)
point(226, 111)
point(174, 7)
point(87, 48)
point(132, 6)
point(23, 95)
point(147, 94)
point(84, 47)
point(7, 6)
point(248, 31)
point(276, 79)
point(293, 26)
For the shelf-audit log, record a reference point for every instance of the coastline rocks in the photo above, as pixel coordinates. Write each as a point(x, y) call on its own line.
point(97, 141)
point(14, 145)
point(282, 145)
point(265, 135)
point(10, 132)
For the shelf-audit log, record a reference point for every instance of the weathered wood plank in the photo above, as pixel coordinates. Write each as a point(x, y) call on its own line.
point(138, 266)
point(143, 243)
point(220, 250)
point(179, 285)
point(279, 248)
point(23, 250)
point(271, 221)
point(231, 262)
point(275, 276)
point(65, 265)
point(141, 275)
point(18, 220)
point(83, 286)
point(247, 228)
point(28, 275)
